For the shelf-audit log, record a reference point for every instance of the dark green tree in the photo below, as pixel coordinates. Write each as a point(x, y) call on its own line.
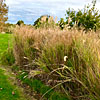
point(44, 21)
point(62, 23)
point(37, 23)
point(20, 22)
point(88, 18)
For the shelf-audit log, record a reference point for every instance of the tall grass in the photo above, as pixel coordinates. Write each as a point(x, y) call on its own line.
point(45, 49)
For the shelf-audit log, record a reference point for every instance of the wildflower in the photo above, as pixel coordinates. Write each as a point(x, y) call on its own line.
point(65, 58)
point(13, 93)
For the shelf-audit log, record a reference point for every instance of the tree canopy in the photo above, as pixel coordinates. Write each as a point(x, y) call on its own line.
point(89, 17)
point(20, 22)
point(3, 14)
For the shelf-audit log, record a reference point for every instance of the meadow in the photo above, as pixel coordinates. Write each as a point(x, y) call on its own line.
point(52, 60)
point(8, 91)
point(4, 41)
point(65, 61)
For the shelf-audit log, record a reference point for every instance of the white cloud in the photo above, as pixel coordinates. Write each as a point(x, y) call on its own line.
point(11, 2)
point(34, 8)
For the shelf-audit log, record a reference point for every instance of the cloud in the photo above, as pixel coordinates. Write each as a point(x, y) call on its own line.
point(29, 10)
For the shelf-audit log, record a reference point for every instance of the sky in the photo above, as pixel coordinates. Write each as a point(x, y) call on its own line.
point(30, 10)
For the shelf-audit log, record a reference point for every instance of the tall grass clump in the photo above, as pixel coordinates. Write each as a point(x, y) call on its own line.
point(69, 58)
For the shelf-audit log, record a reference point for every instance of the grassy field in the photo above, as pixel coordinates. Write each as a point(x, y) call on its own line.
point(5, 39)
point(70, 59)
point(11, 92)
point(8, 91)
point(66, 62)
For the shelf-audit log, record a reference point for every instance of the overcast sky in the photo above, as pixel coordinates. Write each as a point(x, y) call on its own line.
point(30, 10)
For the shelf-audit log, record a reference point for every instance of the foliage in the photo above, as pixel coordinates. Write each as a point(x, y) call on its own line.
point(9, 28)
point(3, 14)
point(62, 23)
point(37, 22)
point(44, 21)
point(20, 22)
point(88, 18)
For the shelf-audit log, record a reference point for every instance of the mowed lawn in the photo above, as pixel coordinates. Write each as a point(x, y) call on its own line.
point(5, 41)
point(8, 91)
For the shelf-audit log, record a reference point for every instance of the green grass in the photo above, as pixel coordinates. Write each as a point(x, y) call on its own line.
point(5, 40)
point(6, 50)
point(6, 87)
point(41, 88)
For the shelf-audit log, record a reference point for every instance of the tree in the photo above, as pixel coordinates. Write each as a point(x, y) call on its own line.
point(44, 21)
point(37, 23)
point(89, 17)
point(61, 23)
point(20, 22)
point(3, 14)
